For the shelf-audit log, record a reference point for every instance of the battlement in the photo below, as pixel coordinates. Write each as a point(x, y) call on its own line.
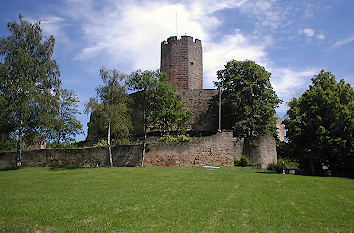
point(182, 60)
point(174, 39)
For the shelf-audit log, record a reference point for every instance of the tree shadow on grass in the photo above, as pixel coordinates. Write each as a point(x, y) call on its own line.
point(267, 172)
point(69, 168)
point(308, 175)
point(9, 168)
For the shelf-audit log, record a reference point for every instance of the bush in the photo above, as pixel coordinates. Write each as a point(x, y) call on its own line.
point(178, 138)
point(243, 162)
point(101, 143)
point(62, 145)
point(278, 167)
point(281, 165)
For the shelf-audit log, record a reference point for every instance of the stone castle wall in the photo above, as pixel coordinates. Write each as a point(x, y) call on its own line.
point(260, 149)
point(182, 60)
point(280, 128)
point(205, 117)
point(218, 149)
point(123, 155)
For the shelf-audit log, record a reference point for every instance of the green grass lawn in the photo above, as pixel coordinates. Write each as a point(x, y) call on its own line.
point(172, 199)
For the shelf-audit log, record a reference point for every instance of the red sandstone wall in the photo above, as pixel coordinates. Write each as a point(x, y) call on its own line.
point(218, 149)
point(182, 60)
point(123, 155)
point(205, 116)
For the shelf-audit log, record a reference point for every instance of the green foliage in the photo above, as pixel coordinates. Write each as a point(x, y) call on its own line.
point(276, 167)
point(101, 143)
point(7, 143)
point(168, 113)
point(114, 142)
point(248, 98)
point(61, 145)
point(281, 165)
point(109, 111)
point(253, 143)
point(66, 126)
point(320, 125)
point(29, 80)
point(178, 138)
point(243, 162)
point(162, 107)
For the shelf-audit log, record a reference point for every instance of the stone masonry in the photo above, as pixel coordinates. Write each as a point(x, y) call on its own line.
point(182, 60)
point(123, 155)
point(261, 150)
point(205, 118)
point(218, 149)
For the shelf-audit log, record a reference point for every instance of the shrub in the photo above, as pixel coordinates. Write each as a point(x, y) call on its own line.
point(276, 167)
point(101, 143)
point(281, 165)
point(64, 145)
point(178, 138)
point(243, 162)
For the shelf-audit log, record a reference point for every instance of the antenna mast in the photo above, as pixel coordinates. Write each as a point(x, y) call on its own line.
point(176, 26)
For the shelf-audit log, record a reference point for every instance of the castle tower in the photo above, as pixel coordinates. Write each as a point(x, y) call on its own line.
point(182, 60)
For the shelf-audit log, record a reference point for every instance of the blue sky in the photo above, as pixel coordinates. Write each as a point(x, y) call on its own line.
point(292, 39)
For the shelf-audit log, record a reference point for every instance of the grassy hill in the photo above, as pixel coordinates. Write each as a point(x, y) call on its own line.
point(172, 199)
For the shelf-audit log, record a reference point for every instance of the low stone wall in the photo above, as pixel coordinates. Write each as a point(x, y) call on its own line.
point(129, 155)
point(218, 149)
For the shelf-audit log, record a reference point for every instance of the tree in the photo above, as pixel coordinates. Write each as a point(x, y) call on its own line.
point(249, 98)
point(163, 109)
point(29, 80)
point(110, 107)
point(145, 82)
point(167, 110)
point(66, 125)
point(320, 125)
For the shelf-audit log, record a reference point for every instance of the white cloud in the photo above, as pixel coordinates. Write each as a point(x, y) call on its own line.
point(321, 36)
point(53, 25)
point(343, 42)
point(267, 13)
point(288, 82)
point(309, 32)
point(235, 46)
point(128, 35)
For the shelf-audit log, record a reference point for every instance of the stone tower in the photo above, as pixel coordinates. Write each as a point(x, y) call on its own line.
point(182, 60)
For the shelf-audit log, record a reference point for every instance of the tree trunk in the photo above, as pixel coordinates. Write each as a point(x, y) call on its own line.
point(312, 167)
point(109, 144)
point(219, 130)
point(19, 157)
point(144, 144)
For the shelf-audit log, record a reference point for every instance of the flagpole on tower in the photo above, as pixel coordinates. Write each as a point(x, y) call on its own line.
point(176, 25)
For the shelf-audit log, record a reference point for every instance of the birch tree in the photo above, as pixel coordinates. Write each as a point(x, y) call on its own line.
point(29, 80)
point(110, 107)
